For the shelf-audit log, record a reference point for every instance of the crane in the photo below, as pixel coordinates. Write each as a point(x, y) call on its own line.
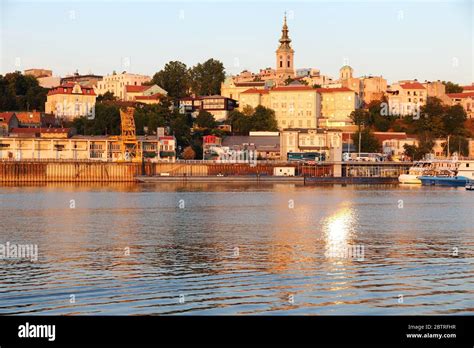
point(130, 148)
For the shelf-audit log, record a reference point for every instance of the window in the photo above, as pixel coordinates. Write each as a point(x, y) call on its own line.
point(281, 64)
point(288, 64)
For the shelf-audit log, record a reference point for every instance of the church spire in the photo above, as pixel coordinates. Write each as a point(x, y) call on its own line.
point(285, 39)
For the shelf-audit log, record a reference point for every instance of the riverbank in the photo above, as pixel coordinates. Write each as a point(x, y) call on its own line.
point(98, 171)
point(270, 179)
point(222, 179)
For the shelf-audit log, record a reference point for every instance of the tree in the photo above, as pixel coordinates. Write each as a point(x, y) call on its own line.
point(410, 151)
point(263, 119)
point(106, 121)
point(205, 120)
point(181, 128)
point(417, 153)
point(431, 118)
point(459, 144)
point(425, 146)
point(107, 96)
point(241, 124)
point(206, 78)
point(360, 117)
point(21, 92)
point(453, 120)
point(369, 143)
point(188, 153)
point(174, 78)
point(452, 87)
point(248, 110)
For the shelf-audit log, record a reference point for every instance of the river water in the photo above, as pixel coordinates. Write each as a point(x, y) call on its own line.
point(211, 249)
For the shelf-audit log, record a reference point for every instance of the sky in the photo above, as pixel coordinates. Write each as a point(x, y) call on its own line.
point(426, 40)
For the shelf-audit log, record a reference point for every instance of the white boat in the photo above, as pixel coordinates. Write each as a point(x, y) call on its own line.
point(420, 168)
point(414, 172)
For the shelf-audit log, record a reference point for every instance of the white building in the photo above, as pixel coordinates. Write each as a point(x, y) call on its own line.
point(116, 83)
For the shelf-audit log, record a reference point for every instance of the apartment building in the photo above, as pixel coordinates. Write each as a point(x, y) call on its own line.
point(116, 83)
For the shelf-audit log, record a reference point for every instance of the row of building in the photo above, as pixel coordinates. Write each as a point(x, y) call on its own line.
point(330, 143)
point(32, 136)
point(306, 98)
point(302, 98)
point(75, 96)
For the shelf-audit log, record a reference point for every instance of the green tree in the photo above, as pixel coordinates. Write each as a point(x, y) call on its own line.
point(107, 96)
point(106, 121)
point(181, 129)
point(360, 117)
point(174, 78)
point(459, 144)
point(21, 92)
point(248, 110)
point(410, 151)
point(425, 146)
point(431, 118)
point(206, 120)
point(369, 143)
point(240, 123)
point(206, 78)
point(263, 119)
point(453, 120)
point(452, 87)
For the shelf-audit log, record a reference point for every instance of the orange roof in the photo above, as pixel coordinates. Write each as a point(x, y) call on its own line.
point(336, 89)
point(412, 85)
point(461, 95)
point(255, 90)
point(382, 136)
point(6, 116)
point(68, 87)
point(155, 96)
point(135, 89)
point(29, 117)
point(468, 88)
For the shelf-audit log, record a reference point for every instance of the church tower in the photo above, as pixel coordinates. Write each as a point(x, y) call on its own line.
point(284, 55)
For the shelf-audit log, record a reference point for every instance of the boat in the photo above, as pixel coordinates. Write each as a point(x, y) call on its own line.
point(420, 168)
point(414, 172)
point(458, 177)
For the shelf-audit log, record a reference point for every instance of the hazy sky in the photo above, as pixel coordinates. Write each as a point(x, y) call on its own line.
point(428, 40)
